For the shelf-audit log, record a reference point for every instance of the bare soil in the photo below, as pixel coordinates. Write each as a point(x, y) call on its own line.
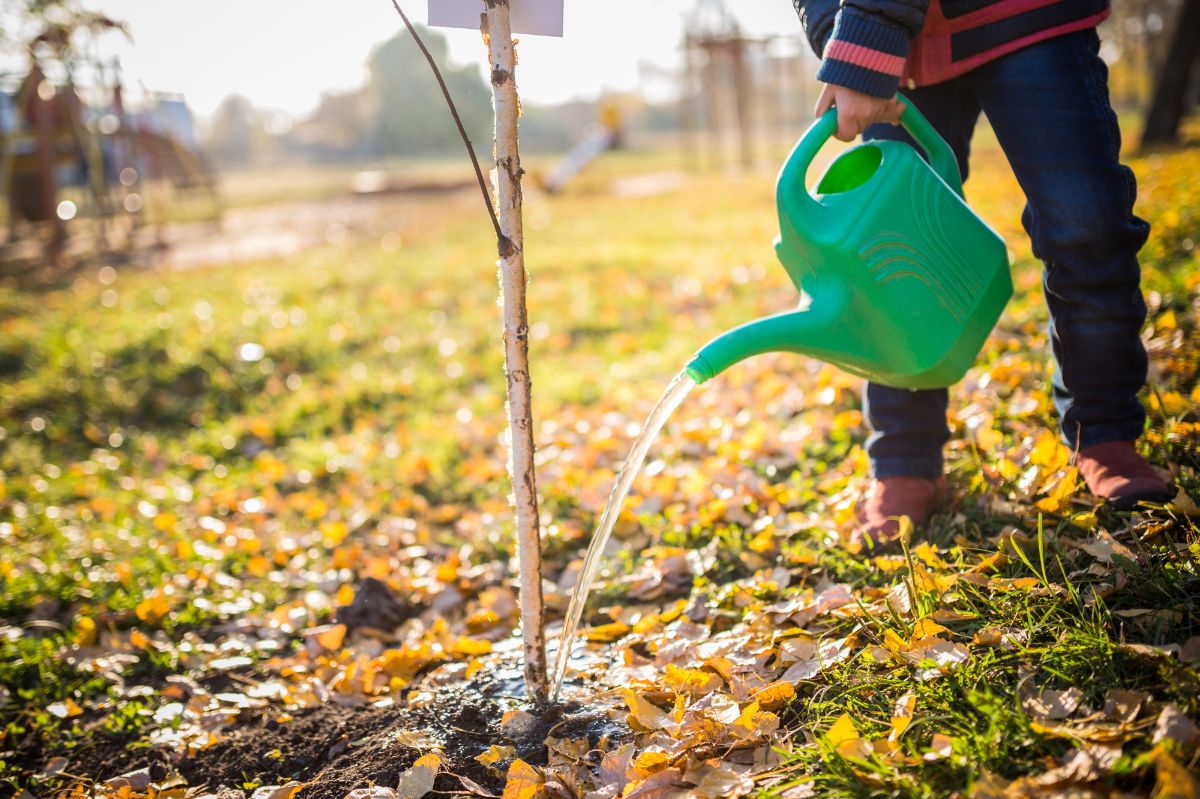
point(334, 749)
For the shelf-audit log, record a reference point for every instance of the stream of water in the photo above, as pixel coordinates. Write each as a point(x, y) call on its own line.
point(675, 393)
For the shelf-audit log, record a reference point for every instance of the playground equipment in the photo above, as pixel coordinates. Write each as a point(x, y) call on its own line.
point(902, 282)
point(63, 158)
point(738, 92)
point(606, 135)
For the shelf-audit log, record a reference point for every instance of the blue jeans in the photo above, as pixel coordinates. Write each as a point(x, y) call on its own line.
point(1050, 110)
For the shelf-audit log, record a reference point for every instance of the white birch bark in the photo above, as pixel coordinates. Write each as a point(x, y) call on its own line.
point(516, 343)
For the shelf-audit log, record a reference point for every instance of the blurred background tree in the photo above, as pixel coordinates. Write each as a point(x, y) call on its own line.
point(1177, 86)
point(409, 113)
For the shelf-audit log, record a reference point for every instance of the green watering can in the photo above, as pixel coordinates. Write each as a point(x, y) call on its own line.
point(901, 281)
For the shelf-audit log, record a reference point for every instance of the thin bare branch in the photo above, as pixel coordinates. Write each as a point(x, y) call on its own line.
point(502, 241)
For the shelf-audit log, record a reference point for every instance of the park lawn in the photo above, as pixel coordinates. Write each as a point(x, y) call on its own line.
point(199, 469)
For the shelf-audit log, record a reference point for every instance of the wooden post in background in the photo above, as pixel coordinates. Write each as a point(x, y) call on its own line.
point(516, 344)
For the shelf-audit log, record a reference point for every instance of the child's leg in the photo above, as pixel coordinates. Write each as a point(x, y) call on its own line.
point(1050, 109)
point(909, 427)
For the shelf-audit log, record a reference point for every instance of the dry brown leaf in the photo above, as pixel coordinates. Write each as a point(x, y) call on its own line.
point(417, 781)
point(1103, 547)
point(713, 781)
point(1050, 704)
point(374, 792)
point(944, 616)
point(721, 708)
point(614, 767)
point(1150, 650)
point(517, 723)
point(1007, 638)
point(643, 715)
point(940, 747)
point(1173, 724)
point(138, 780)
point(803, 790)
point(56, 765)
point(1124, 706)
point(277, 791)
point(1086, 764)
point(474, 788)
point(1188, 653)
point(828, 654)
point(937, 658)
point(666, 784)
point(754, 723)
point(722, 666)
point(561, 784)
point(567, 751)
point(416, 739)
point(1094, 733)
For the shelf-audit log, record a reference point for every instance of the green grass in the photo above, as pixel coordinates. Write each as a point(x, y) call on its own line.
point(180, 449)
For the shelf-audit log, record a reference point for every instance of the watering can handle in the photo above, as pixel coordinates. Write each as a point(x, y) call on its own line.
point(793, 177)
point(941, 157)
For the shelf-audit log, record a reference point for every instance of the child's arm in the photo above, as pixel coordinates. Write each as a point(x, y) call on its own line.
point(864, 44)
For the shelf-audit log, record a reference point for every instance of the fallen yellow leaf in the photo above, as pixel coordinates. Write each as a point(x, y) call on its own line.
point(1174, 780)
point(692, 681)
point(927, 628)
point(496, 754)
point(775, 695)
point(843, 730)
point(649, 762)
point(902, 716)
point(153, 608)
point(644, 715)
point(65, 709)
point(523, 782)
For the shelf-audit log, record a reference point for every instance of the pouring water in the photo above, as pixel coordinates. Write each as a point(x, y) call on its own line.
point(676, 391)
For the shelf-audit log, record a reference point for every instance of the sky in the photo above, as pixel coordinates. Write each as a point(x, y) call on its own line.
point(281, 54)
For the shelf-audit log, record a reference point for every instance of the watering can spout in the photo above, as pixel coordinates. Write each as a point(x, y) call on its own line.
point(818, 331)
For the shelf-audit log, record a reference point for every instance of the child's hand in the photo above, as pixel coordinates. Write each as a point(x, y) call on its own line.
point(857, 111)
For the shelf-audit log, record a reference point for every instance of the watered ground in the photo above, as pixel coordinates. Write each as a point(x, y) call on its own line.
point(254, 533)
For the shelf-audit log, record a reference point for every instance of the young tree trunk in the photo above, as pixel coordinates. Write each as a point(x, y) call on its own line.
point(516, 344)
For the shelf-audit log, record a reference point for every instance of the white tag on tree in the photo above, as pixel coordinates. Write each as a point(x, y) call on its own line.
point(535, 17)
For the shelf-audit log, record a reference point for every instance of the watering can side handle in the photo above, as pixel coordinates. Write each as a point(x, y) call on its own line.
point(792, 180)
point(941, 157)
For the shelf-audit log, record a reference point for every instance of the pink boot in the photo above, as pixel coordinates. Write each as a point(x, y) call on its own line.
point(1116, 473)
point(879, 510)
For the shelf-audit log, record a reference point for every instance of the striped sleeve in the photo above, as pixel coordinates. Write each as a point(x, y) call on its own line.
point(864, 54)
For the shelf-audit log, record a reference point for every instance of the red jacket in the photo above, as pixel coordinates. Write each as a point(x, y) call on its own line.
point(949, 46)
point(869, 45)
